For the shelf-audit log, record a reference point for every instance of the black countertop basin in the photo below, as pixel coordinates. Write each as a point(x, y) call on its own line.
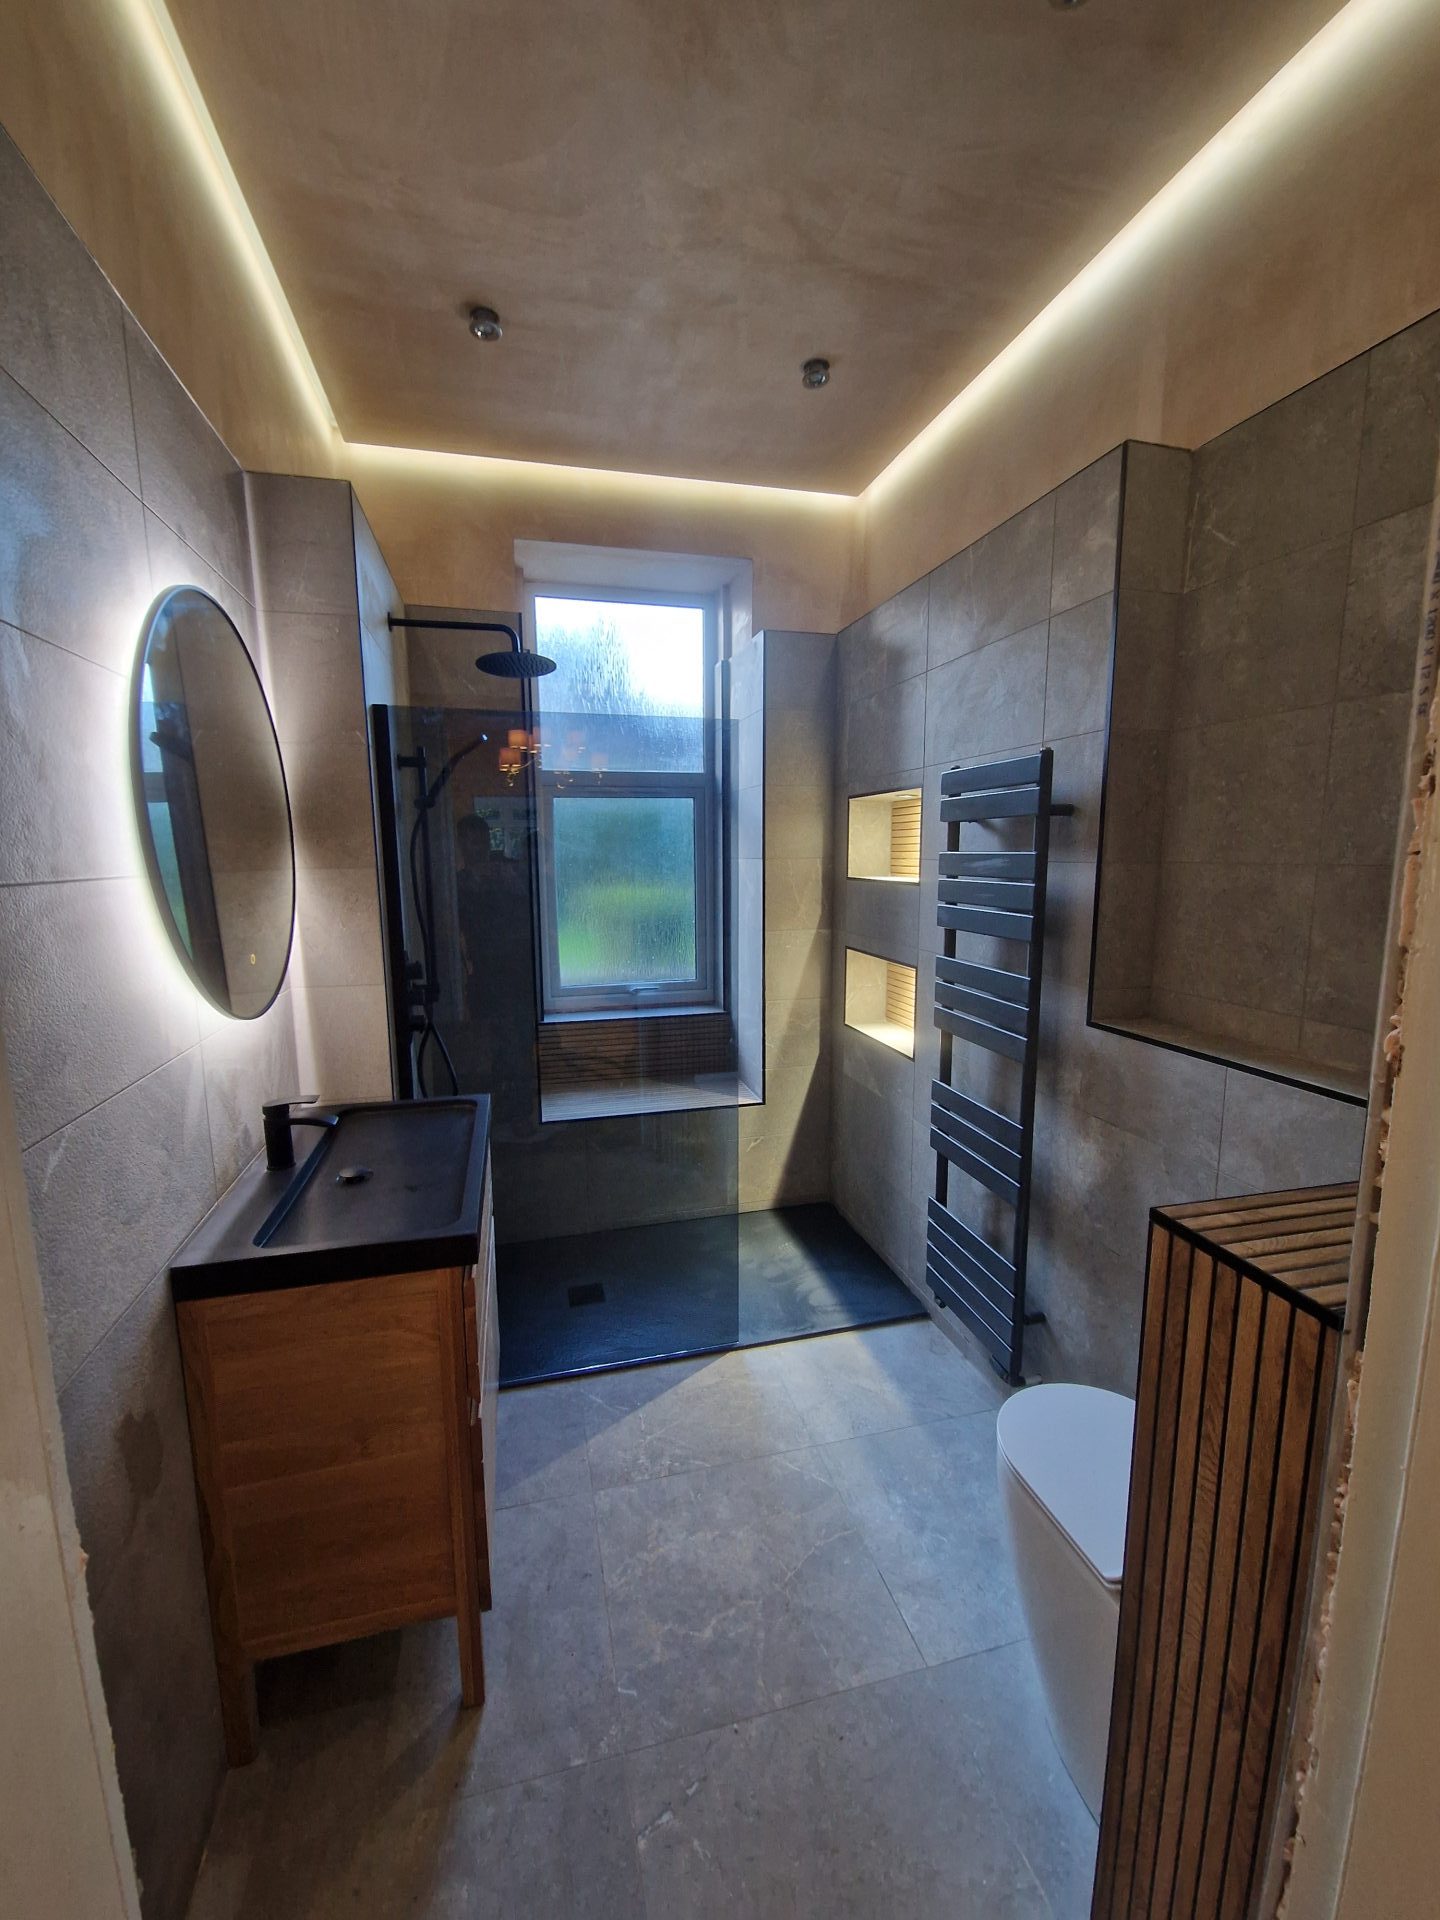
point(394, 1187)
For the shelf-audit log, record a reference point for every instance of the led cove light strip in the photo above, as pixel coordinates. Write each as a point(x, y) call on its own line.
point(1298, 90)
point(155, 31)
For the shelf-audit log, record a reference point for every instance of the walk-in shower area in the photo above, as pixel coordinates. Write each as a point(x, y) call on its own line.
point(571, 803)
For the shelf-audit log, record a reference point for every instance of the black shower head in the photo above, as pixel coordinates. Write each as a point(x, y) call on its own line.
point(515, 664)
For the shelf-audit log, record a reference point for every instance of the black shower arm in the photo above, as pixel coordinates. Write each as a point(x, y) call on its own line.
point(458, 626)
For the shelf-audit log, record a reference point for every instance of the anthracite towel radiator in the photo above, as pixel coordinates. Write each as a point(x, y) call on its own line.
point(998, 895)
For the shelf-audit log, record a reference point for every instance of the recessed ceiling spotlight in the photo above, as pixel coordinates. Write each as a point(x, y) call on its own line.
point(815, 373)
point(485, 323)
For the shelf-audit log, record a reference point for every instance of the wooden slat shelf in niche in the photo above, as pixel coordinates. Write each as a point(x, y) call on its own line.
point(1239, 1355)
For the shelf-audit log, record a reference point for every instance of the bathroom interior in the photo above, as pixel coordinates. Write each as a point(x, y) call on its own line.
point(718, 960)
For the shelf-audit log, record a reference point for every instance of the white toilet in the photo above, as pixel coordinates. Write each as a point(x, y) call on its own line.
point(1064, 1466)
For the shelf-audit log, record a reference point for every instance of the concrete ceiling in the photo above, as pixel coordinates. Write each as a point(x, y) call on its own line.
point(672, 203)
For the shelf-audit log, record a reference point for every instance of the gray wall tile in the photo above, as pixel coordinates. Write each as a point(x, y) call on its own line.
point(187, 476)
point(1245, 791)
point(1346, 945)
point(1402, 406)
point(1235, 934)
point(73, 565)
point(882, 917)
point(1279, 1136)
point(342, 1041)
point(981, 706)
point(152, 1635)
point(1143, 676)
point(315, 675)
point(135, 1100)
point(996, 587)
point(58, 826)
point(1383, 605)
point(799, 669)
point(1086, 528)
point(61, 327)
point(174, 564)
point(1362, 787)
point(1121, 1125)
point(1282, 480)
point(1276, 702)
point(329, 781)
point(111, 1196)
point(92, 997)
point(1078, 671)
point(303, 541)
point(884, 732)
point(247, 1064)
point(1156, 516)
point(1264, 641)
point(891, 642)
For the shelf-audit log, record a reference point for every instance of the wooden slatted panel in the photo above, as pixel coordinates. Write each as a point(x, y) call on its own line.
point(1116, 1828)
point(905, 836)
point(1237, 1375)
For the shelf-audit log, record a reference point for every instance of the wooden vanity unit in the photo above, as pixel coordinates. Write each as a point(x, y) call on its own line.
point(1239, 1355)
point(343, 1432)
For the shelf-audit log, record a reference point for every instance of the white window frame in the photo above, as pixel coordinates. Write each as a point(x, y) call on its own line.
point(700, 787)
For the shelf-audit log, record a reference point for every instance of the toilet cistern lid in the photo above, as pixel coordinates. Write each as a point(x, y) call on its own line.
point(1070, 1446)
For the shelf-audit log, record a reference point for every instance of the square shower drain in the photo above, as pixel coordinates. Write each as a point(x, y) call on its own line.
point(591, 1294)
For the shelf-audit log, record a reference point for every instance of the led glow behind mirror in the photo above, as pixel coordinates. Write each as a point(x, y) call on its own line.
point(211, 803)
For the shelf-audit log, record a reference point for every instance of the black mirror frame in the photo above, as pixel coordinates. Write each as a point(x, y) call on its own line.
point(142, 818)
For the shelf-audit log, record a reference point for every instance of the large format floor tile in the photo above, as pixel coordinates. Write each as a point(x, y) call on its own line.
point(927, 1506)
point(647, 1422)
point(558, 1848)
point(739, 1589)
point(867, 1803)
point(865, 1382)
point(540, 1443)
point(706, 1670)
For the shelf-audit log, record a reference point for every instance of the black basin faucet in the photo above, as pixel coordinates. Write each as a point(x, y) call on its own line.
point(279, 1117)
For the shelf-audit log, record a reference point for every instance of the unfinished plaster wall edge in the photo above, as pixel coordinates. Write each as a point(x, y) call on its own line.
point(1395, 1293)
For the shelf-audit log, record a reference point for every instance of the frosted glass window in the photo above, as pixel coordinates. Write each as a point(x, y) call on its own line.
point(628, 816)
point(624, 890)
point(629, 685)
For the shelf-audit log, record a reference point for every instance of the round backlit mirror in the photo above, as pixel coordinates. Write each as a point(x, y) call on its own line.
point(213, 810)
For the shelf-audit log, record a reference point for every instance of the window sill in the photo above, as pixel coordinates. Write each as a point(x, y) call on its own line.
point(703, 1094)
point(684, 1010)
